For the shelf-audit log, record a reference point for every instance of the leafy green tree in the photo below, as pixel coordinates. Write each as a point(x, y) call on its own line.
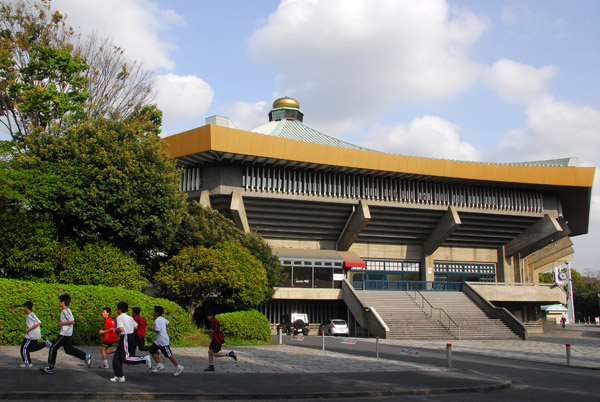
point(106, 179)
point(546, 277)
point(41, 77)
point(585, 293)
point(27, 243)
point(100, 263)
point(227, 275)
point(208, 227)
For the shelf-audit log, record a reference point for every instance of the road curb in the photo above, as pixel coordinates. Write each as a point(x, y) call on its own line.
point(311, 395)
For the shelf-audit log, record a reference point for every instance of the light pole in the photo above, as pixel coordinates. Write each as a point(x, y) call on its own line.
point(570, 304)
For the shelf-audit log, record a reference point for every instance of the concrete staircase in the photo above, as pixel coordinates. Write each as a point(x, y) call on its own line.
point(402, 315)
point(407, 320)
point(474, 323)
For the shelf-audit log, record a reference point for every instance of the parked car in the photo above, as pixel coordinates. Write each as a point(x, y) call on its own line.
point(294, 323)
point(334, 327)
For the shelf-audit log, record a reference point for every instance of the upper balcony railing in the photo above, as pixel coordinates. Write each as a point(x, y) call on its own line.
point(318, 183)
point(407, 285)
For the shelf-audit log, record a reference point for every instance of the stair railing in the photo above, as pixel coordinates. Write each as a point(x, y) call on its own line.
point(427, 308)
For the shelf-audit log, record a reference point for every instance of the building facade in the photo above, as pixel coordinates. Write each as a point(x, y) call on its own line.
point(334, 212)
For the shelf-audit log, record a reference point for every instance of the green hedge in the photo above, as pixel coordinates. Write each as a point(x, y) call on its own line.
point(86, 304)
point(245, 325)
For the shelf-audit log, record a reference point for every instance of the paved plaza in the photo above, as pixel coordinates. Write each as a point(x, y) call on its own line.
point(299, 368)
point(547, 348)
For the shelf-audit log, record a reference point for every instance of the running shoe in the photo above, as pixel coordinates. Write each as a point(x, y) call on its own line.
point(148, 361)
point(210, 368)
point(159, 367)
point(48, 343)
point(88, 360)
point(103, 366)
point(25, 365)
point(47, 370)
point(232, 355)
point(178, 370)
point(117, 379)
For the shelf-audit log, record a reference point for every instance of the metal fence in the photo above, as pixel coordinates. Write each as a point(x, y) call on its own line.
point(408, 285)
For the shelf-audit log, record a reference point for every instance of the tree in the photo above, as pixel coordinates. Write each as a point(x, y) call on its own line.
point(208, 227)
point(27, 243)
point(114, 83)
point(99, 263)
point(41, 77)
point(228, 274)
point(585, 293)
point(585, 296)
point(107, 178)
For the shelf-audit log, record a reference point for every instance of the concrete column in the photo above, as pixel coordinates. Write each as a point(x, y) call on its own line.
point(505, 269)
point(539, 234)
point(445, 227)
point(239, 211)
point(205, 199)
point(427, 270)
point(355, 224)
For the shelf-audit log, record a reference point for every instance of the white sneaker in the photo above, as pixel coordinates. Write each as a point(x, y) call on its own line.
point(159, 367)
point(117, 379)
point(178, 370)
point(148, 361)
point(25, 365)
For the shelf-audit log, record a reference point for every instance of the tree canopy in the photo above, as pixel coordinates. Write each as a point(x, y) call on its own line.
point(586, 290)
point(227, 274)
point(105, 179)
point(207, 227)
point(41, 78)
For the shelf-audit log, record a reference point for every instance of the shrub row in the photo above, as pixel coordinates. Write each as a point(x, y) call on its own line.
point(87, 304)
point(245, 325)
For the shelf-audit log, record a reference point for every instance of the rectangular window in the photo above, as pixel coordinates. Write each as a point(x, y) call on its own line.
point(302, 277)
point(323, 278)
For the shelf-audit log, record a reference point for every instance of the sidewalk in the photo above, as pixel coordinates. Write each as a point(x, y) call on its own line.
point(547, 348)
point(266, 372)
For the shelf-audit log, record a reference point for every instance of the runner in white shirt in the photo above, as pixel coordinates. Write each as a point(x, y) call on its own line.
point(162, 342)
point(65, 335)
point(125, 353)
point(32, 334)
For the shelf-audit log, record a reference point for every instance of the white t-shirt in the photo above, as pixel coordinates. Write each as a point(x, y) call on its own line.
point(127, 323)
point(66, 315)
point(160, 327)
point(35, 333)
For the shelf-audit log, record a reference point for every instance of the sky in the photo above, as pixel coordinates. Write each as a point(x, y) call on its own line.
point(470, 80)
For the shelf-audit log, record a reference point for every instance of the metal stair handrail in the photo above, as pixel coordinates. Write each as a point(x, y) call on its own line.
point(431, 309)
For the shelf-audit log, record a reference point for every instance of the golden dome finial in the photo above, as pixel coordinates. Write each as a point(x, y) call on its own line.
point(286, 102)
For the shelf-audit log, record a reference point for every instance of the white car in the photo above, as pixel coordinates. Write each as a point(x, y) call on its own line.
point(334, 327)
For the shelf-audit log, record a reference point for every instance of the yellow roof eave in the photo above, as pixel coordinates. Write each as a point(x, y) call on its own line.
point(224, 139)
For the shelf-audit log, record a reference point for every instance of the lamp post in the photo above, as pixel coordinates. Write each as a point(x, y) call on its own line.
point(570, 304)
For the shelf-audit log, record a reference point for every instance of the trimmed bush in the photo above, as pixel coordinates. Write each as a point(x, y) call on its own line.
point(101, 263)
point(245, 325)
point(86, 304)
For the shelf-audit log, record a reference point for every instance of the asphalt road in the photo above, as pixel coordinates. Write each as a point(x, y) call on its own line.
point(531, 381)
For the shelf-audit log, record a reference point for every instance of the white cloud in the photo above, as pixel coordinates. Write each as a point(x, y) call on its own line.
point(134, 25)
point(182, 98)
point(516, 82)
point(554, 129)
point(247, 115)
point(351, 58)
point(427, 136)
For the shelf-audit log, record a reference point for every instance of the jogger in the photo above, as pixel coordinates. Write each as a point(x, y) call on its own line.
point(125, 353)
point(32, 334)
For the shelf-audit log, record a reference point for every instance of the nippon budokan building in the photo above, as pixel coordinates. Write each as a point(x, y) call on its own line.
point(398, 246)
